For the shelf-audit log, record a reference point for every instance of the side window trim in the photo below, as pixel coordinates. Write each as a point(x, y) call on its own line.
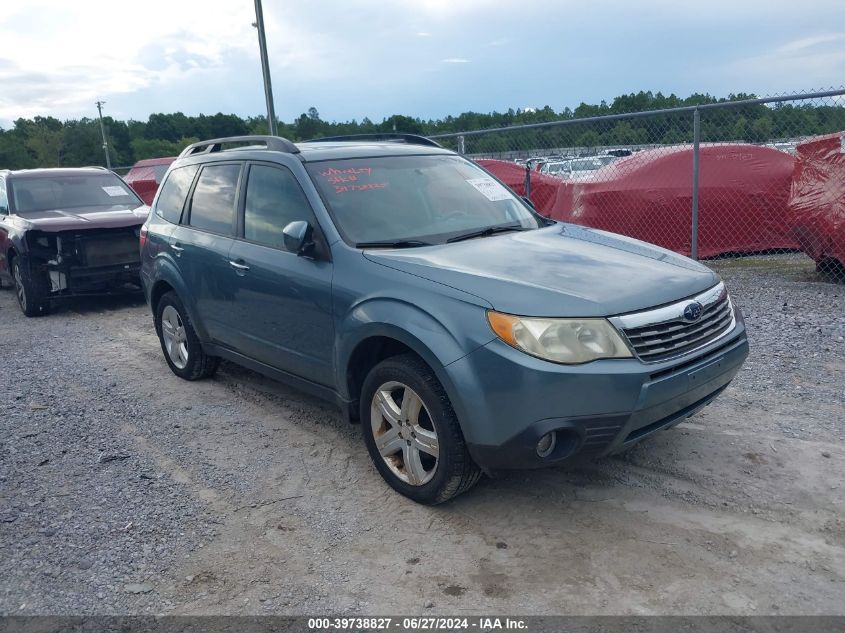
point(239, 187)
point(241, 234)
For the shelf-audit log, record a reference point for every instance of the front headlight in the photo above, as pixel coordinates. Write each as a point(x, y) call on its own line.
point(568, 341)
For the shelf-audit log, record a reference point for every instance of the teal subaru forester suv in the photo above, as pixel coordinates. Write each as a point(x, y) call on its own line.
point(404, 283)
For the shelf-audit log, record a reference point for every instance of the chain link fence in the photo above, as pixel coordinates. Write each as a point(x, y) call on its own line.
point(752, 183)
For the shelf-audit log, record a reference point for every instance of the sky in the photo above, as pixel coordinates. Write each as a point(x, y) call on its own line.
point(424, 58)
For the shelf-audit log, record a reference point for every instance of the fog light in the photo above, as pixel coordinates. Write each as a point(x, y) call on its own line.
point(546, 444)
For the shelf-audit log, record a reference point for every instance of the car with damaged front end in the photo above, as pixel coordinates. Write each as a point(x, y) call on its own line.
point(68, 232)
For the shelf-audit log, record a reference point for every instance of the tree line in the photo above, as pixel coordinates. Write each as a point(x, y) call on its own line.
point(48, 142)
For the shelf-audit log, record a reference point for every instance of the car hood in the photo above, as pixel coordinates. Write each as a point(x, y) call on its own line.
point(56, 220)
point(563, 270)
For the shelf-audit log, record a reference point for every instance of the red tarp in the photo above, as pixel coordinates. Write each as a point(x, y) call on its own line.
point(142, 177)
point(817, 199)
point(743, 197)
point(551, 196)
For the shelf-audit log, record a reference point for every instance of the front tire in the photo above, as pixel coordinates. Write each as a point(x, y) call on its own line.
point(31, 288)
point(412, 433)
point(179, 342)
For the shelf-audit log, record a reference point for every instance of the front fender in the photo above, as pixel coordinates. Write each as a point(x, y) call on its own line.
point(440, 338)
point(13, 237)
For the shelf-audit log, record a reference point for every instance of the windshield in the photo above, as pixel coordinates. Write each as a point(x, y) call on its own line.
point(416, 199)
point(45, 193)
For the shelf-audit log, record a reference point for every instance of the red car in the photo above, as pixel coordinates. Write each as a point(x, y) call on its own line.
point(551, 196)
point(146, 175)
point(817, 199)
point(743, 195)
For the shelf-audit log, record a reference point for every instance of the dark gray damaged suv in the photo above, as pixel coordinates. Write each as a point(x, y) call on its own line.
point(406, 284)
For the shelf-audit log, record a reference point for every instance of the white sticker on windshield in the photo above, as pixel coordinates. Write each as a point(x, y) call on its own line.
point(115, 190)
point(491, 189)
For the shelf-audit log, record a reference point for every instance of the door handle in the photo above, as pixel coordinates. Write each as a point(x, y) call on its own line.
point(177, 248)
point(238, 266)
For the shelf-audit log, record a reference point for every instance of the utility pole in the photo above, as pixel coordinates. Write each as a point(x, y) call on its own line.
point(265, 67)
point(103, 132)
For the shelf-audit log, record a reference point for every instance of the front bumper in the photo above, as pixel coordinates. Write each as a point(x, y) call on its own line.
point(69, 280)
point(508, 400)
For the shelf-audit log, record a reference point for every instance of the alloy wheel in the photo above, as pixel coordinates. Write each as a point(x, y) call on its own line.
point(175, 338)
point(404, 433)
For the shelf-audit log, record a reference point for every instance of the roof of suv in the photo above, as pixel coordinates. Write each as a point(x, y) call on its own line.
point(333, 148)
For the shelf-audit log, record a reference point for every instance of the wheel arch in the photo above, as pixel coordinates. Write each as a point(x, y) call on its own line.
point(11, 253)
point(160, 287)
point(167, 279)
point(379, 341)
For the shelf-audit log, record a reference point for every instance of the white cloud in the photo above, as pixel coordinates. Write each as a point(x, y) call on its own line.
point(816, 61)
point(447, 8)
point(58, 56)
point(65, 55)
point(809, 43)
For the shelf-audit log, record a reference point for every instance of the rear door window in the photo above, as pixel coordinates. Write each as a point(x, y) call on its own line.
point(213, 202)
point(274, 199)
point(171, 200)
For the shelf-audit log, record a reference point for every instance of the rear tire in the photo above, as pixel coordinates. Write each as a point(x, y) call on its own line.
point(405, 414)
point(32, 288)
point(179, 342)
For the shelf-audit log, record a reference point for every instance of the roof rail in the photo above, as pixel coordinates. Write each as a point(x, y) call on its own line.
point(410, 139)
point(274, 143)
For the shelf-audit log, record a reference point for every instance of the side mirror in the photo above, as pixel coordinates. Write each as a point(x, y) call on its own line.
point(297, 237)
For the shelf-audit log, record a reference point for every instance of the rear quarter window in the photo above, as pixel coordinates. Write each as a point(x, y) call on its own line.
point(174, 191)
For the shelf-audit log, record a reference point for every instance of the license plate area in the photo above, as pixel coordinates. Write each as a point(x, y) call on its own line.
point(707, 373)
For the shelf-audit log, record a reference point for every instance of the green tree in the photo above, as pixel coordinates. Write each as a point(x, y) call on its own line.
point(83, 143)
point(761, 129)
point(46, 145)
point(46, 141)
point(159, 148)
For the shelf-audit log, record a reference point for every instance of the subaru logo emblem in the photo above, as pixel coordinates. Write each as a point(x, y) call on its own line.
point(693, 311)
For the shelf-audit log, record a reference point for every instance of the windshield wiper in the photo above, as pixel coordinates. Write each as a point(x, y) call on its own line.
point(393, 244)
point(487, 231)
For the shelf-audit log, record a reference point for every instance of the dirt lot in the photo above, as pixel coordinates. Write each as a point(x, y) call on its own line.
point(126, 490)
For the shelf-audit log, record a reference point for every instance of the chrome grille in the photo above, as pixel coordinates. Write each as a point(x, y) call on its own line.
point(665, 333)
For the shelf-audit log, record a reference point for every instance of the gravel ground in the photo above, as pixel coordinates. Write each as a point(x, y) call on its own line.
point(124, 490)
